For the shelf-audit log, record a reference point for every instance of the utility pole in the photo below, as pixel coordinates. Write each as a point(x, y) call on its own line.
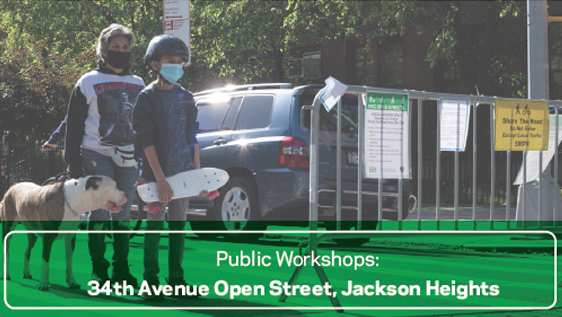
point(537, 50)
point(532, 192)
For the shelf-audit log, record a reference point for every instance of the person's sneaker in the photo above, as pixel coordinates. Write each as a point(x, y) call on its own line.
point(99, 273)
point(100, 276)
point(152, 297)
point(124, 277)
point(180, 281)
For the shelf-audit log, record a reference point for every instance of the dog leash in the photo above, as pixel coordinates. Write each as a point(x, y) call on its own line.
point(66, 202)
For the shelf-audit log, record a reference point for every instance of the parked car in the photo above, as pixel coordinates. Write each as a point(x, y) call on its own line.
point(254, 133)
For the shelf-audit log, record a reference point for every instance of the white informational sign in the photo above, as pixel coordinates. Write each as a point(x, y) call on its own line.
point(332, 93)
point(387, 136)
point(533, 157)
point(176, 21)
point(454, 124)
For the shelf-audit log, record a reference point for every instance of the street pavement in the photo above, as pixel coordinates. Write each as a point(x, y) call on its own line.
point(522, 263)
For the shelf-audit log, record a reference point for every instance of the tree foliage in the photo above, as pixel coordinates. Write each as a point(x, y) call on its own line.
point(34, 87)
point(47, 45)
point(240, 37)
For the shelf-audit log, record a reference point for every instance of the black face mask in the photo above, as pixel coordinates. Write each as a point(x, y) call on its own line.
point(117, 59)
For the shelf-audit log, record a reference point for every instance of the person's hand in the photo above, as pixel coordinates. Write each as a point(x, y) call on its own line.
point(74, 172)
point(214, 194)
point(49, 147)
point(203, 193)
point(165, 192)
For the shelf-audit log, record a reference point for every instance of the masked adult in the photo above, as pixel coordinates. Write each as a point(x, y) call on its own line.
point(99, 141)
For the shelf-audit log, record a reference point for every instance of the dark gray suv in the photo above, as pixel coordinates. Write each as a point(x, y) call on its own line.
point(254, 132)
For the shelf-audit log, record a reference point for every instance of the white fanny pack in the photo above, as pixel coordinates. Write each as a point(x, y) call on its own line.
point(123, 156)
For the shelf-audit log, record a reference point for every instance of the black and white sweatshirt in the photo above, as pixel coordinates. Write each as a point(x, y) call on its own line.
point(100, 114)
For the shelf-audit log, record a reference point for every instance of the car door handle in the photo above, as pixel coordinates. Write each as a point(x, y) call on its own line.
point(220, 141)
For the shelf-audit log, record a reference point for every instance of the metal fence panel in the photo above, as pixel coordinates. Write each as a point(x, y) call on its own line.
point(458, 185)
point(25, 162)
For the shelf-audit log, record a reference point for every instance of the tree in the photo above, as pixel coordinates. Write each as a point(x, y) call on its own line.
point(233, 41)
point(252, 39)
point(241, 37)
point(34, 88)
point(47, 45)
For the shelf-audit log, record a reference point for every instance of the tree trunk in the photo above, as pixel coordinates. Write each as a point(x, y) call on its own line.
point(279, 71)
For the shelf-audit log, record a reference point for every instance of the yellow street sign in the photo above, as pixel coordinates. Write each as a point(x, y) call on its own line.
point(522, 125)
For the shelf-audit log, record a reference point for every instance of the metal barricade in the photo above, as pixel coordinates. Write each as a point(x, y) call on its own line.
point(474, 102)
point(25, 162)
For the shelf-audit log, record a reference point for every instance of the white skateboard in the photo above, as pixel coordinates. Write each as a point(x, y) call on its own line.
point(187, 184)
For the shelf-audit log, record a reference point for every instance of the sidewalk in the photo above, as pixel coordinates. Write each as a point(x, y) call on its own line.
point(512, 243)
point(480, 242)
point(482, 213)
point(497, 237)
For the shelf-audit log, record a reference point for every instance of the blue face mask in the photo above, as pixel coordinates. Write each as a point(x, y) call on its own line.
point(171, 72)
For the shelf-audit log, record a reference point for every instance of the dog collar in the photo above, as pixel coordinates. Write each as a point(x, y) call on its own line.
point(66, 202)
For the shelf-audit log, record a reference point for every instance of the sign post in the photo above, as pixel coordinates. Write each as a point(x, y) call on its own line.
point(537, 79)
point(177, 21)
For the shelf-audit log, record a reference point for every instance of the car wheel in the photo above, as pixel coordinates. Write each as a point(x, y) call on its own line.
point(203, 225)
point(237, 210)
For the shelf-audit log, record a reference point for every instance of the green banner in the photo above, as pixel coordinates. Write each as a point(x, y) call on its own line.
point(399, 270)
point(384, 101)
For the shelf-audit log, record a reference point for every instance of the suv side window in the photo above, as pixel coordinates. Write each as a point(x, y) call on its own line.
point(230, 119)
point(211, 115)
point(329, 121)
point(349, 114)
point(255, 112)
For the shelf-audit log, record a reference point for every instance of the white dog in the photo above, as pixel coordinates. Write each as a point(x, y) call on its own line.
point(56, 207)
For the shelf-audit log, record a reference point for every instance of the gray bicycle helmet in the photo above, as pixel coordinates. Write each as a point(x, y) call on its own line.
point(166, 44)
